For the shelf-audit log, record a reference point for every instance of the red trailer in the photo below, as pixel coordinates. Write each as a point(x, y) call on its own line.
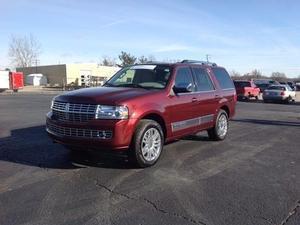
point(11, 80)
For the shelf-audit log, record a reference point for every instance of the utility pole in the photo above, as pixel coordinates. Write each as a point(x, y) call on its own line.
point(207, 57)
point(36, 64)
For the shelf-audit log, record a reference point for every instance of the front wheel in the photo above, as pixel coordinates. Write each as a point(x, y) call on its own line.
point(147, 143)
point(219, 131)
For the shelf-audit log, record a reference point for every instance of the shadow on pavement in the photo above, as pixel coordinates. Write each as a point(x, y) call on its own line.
point(269, 122)
point(101, 160)
point(271, 102)
point(197, 137)
point(32, 146)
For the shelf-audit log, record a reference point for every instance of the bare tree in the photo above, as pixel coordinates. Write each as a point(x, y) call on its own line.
point(235, 75)
point(107, 61)
point(255, 74)
point(142, 59)
point(127, 59)
point(24, 51)
point(151, 58)
point(278, 76)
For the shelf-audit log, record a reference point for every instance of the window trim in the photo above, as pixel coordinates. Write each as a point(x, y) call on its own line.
point(221, 68)
point(175, 74)
point(209, 77)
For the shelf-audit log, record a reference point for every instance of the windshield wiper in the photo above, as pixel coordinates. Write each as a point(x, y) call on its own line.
point(108, 85)
point(133, 85)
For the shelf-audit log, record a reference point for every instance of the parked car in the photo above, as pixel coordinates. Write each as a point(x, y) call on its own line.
point(292, 85)
point(144, 106)
point(262, 87)
point(297, 86)
point(282, 93)
point(246, 89)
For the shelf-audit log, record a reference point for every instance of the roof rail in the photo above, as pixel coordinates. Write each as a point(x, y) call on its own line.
point(198, 62)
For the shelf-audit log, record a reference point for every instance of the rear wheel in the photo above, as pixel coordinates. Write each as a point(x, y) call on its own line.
point(288, 100)
point(147, 143)
point(219, 131)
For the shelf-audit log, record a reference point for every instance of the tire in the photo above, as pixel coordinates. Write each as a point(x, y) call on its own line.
point(256, 97)
point(215, 133)
point(148, 132)
point(288, 100)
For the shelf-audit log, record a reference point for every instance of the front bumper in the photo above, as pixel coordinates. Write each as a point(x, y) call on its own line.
point(94, 134)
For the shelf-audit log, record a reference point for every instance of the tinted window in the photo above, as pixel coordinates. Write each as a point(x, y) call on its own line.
point(277, 88)
point(223, 78)
point(183, 77)
point(202, 80)
point(241, 84)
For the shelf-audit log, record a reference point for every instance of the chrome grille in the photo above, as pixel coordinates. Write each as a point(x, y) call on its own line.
point(73, 112)
point(78, 132)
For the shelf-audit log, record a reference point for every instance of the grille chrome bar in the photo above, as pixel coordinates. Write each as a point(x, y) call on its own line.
point(73, 112)
point(78, 132)
point(74, 107)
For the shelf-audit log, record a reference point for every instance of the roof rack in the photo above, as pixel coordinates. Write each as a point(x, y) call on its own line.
point(199, 62)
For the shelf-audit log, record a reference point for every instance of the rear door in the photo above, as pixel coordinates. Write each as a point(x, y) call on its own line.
point(207, 101)
point(183, 106)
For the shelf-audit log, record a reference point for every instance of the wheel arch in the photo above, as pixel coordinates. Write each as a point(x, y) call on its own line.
point(157, 118)
point(226, 109)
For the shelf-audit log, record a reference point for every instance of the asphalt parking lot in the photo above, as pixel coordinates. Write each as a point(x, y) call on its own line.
point(253, 177)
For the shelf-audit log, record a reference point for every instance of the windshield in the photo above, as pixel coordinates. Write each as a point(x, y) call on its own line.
point(262, 85)
point(141, 76)
point(241, 84)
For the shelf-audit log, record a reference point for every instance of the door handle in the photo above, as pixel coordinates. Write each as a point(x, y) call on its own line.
point(194, 99)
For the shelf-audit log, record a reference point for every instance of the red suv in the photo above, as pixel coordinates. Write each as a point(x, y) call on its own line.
point(144, 106)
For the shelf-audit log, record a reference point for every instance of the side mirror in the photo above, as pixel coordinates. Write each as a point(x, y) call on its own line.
point(183, 88)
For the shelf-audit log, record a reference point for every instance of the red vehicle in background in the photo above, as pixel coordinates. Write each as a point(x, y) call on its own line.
point(246, 89)
point(11, 80)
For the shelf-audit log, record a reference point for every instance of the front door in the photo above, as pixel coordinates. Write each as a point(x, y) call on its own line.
point(183, 107)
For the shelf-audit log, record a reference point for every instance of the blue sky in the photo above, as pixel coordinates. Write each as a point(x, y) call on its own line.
point(240, 35)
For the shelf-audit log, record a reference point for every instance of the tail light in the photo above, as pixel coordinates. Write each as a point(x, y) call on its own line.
point(282, 93)
point(235, 97)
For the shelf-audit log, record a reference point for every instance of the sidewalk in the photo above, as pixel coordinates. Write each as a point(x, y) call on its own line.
point(35, 89)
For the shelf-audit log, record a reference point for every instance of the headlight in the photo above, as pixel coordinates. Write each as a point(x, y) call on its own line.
point(52, 103)
point(111, 112)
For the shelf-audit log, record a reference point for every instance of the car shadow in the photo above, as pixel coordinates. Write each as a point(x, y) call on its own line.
point(272, 102)
point(268, 122)
point(32, 146)
point(197, 137)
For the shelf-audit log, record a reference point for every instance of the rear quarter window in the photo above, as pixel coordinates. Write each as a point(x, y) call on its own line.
point(223, 78)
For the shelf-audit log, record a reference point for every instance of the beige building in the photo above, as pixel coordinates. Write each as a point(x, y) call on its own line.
point(76, 74)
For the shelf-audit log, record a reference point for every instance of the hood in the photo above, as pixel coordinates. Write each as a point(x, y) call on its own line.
point(102, 95)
